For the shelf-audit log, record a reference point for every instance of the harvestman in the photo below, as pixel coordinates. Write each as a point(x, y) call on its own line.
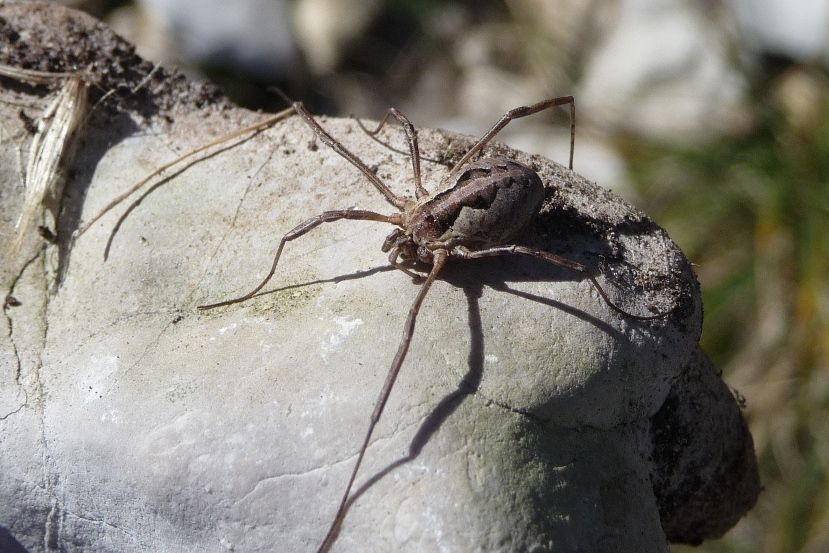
point(483, 206)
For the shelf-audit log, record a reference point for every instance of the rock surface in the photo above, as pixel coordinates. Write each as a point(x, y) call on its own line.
point(773, 27)
point(663, 71)
point(130, 421)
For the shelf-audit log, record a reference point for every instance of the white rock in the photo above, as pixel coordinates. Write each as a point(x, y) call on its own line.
point(252, 36)
point(133, 422)
point(798, 30)
point(662, 72)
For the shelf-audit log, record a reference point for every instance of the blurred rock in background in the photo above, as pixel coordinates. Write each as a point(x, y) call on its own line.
point(798, 31)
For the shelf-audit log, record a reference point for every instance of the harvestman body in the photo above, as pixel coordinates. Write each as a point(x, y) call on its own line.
point(484, 205)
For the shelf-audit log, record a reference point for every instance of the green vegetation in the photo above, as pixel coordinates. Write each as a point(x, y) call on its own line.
point(753, 213)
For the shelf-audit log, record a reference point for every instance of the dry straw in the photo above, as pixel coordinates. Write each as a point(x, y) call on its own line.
point(51, 148)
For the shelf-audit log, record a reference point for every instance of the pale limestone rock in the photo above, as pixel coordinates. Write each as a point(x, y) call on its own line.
point(130, 421)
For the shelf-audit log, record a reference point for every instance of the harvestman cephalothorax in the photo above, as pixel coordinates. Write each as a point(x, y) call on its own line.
point(481, 208)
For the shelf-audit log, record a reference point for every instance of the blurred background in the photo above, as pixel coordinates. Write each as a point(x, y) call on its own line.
point(710, 115)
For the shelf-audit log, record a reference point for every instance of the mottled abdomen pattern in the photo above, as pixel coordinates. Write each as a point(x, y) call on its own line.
point(490, 203)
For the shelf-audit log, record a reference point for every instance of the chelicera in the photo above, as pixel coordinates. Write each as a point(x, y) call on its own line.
point(482, 207)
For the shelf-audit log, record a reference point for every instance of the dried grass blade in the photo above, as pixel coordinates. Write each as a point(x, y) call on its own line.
point(49, 152)
point(32, 76)
point(252, 129)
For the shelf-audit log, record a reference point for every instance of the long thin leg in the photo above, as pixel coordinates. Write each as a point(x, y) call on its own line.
point(302, 228)
point(440, 257)
point(463, 253)
point(517, 113)
point(395, 200)
point(411, 138)
point(252, 129)
point(397, 150)
point(394, 254)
